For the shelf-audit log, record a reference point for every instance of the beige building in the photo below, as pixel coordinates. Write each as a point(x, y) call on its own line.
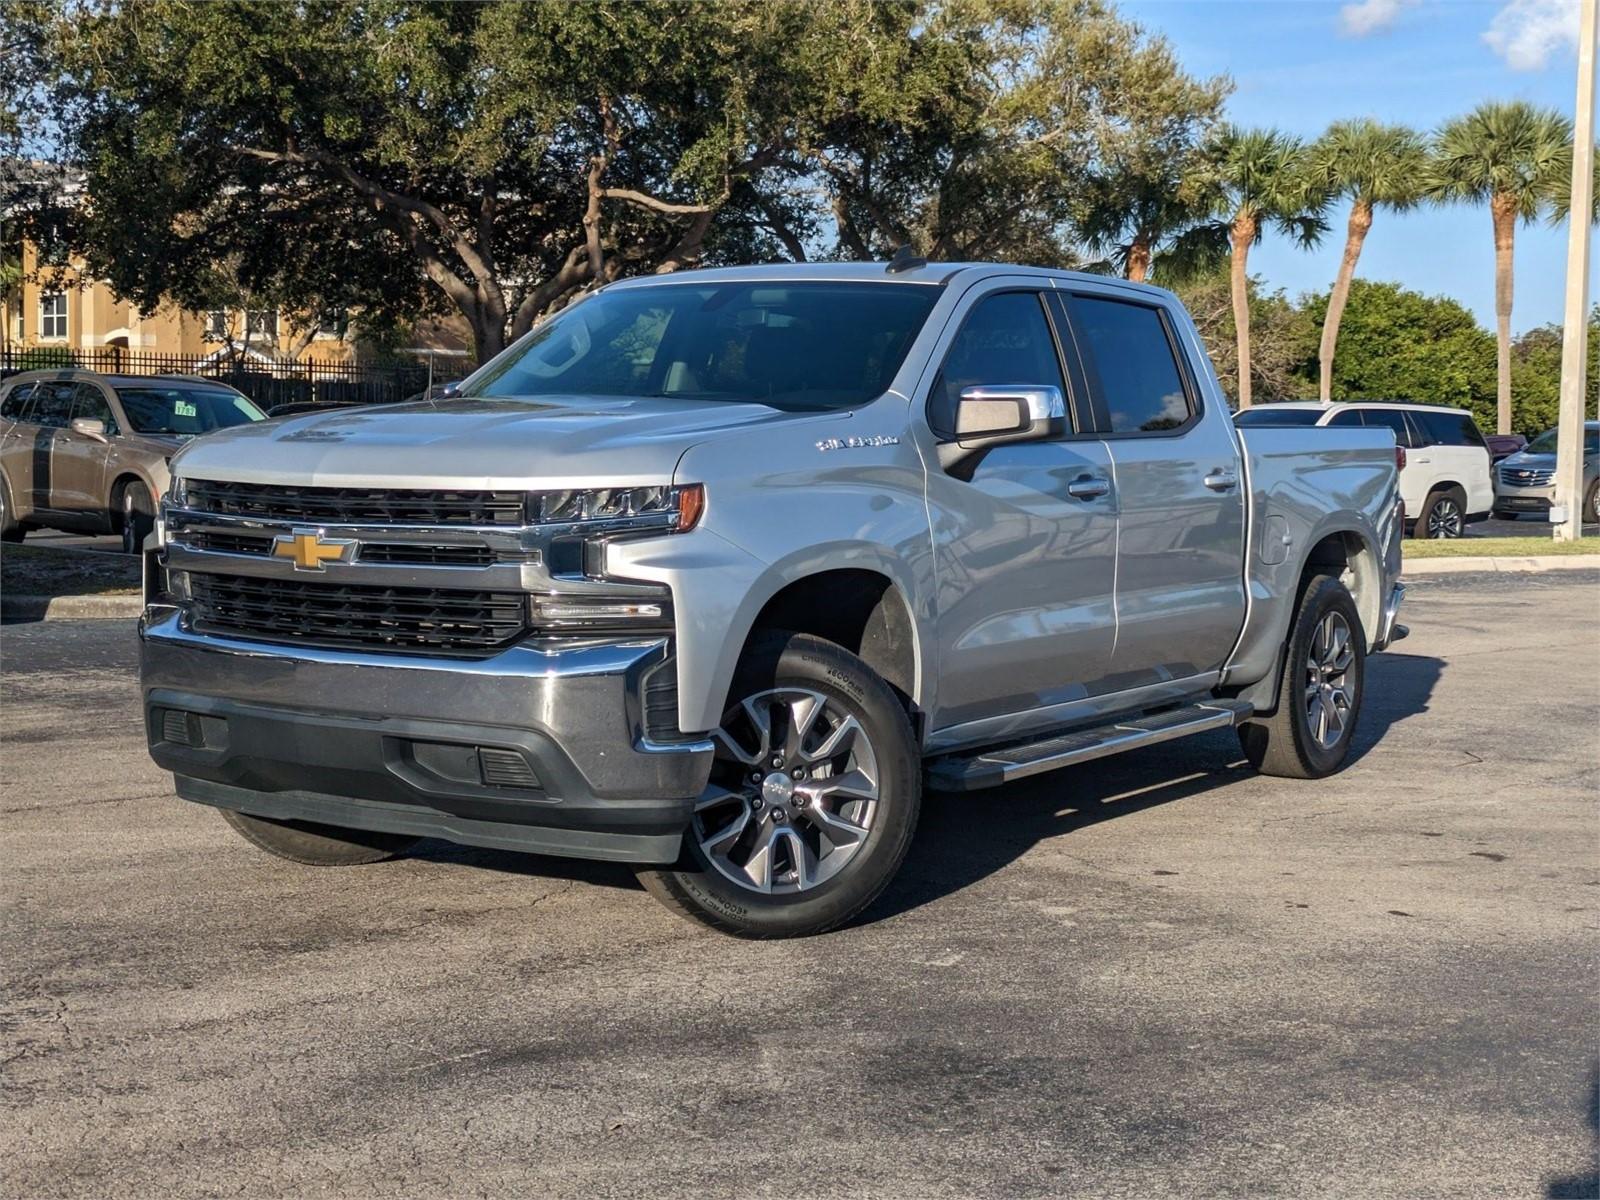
point(52, 304)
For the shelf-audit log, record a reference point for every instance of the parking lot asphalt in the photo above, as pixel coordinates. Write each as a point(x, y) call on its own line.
point(1159, 975)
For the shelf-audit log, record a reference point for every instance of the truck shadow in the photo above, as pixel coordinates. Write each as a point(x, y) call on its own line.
point(1586, 1184)
point(965, 838)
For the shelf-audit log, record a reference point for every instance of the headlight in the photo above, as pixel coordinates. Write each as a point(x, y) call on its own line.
point(669, 509)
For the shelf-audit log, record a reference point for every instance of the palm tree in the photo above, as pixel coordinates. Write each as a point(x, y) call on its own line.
point(1517, 159)
point(1374, 165)
point(1143, 222)
point(1259, 177)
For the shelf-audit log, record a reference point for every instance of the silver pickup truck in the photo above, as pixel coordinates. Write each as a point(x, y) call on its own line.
point(711, 572)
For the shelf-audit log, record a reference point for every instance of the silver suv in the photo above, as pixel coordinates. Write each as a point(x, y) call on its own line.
point(1525, 481)
point(88, 453)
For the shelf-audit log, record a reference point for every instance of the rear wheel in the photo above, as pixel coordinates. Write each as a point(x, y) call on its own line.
point(1591, 502)
point(138, 516)
point(1320, 694)
point(317, 845)
point(1443, 515)
point(813, 799)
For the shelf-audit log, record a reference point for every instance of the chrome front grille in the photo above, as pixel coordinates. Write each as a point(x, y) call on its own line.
point(1527, 476)
point(422, 554)
point(429, 620)
point(358, 506)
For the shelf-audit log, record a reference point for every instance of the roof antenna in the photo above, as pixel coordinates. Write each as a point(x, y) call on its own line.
point(905, 259)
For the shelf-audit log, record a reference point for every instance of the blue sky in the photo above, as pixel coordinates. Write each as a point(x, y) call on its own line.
point(1299, 64)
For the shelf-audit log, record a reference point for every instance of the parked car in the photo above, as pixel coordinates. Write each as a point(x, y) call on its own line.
point(1444, 476)
point(1503, 445)
point(88, 453)
point(706, 573)
point(1526, 481)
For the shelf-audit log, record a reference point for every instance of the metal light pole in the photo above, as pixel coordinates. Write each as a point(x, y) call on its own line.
point(1575, 334)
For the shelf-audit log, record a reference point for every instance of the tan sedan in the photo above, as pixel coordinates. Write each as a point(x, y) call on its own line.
point(88, 453)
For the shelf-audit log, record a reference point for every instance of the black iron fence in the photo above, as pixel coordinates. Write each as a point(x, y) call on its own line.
point(269, 382)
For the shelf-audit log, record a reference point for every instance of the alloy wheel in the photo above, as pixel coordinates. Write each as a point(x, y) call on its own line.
point(1330, 693)
point(793, 794)
point(1444, 519)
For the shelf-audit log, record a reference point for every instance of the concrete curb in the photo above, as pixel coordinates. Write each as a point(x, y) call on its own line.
point(1507, 564)
point(65, 608)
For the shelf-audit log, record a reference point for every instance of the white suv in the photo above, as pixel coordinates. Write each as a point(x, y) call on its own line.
point(1444, 479)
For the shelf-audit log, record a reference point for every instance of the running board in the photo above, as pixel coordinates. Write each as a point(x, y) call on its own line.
point(994, 767)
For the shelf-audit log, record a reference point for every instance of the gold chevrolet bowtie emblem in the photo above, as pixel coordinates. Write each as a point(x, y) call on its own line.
point(308, 549)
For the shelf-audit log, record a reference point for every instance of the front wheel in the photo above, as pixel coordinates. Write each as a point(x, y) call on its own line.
point(1591, 502)
point(314, 845)
point(814, 795)
point(138, 517)
point(10, 530)
point(1320, 694)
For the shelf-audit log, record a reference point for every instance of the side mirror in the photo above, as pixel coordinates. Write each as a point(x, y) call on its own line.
point(996, 414)
point(90, 427)
point(449, 391)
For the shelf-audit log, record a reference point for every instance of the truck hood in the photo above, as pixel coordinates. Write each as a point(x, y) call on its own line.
point(482, 443)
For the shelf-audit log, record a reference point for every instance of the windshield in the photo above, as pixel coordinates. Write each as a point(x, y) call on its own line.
point(1545, 443)
point(185, 409)
point(800, 347)
point(1267, 415)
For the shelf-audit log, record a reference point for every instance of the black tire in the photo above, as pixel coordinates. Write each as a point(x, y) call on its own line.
point(696, 889)
point(137, 516)
point(1285, 744)
point(1443, 515)
point(10, 529)
point(1591, 503)
point(317, 845)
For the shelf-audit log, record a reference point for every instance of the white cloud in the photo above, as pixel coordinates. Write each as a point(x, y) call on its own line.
point(1527, 32)
point(1371, 16)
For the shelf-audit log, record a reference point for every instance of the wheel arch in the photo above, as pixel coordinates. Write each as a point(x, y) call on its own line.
point(119, 482)
point(1349, 555)
point(860, 609)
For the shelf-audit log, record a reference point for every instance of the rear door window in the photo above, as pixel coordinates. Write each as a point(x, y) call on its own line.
point(1346, 419)
point(1442, 428)
point(1392, 419)
point(15, 404)
point(52, 404)
point(1129, 352)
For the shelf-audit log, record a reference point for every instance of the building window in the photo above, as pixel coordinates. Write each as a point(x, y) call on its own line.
point(216, 326)
point(332, 323)
point(261, 324)
point(53, 317)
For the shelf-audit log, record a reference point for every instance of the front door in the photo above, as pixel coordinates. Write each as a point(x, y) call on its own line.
point(1024, 542)
point(78, 467)
point(1180, 556)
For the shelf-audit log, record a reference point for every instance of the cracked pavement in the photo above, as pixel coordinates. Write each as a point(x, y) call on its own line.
point(1156, 975)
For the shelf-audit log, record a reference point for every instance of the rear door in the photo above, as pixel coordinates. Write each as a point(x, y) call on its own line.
point(48, 415)
point(1175, 466)
point(16, 446)
point(1459, 453)
point(1420, 472)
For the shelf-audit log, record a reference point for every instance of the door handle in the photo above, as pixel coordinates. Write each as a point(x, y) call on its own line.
point(1088, 488)
point(1222, 480)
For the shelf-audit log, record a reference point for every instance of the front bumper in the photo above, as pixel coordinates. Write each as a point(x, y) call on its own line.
point(542, 747)
point(1538, 499)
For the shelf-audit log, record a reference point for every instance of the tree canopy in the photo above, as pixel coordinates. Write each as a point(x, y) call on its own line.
point(496, 159)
